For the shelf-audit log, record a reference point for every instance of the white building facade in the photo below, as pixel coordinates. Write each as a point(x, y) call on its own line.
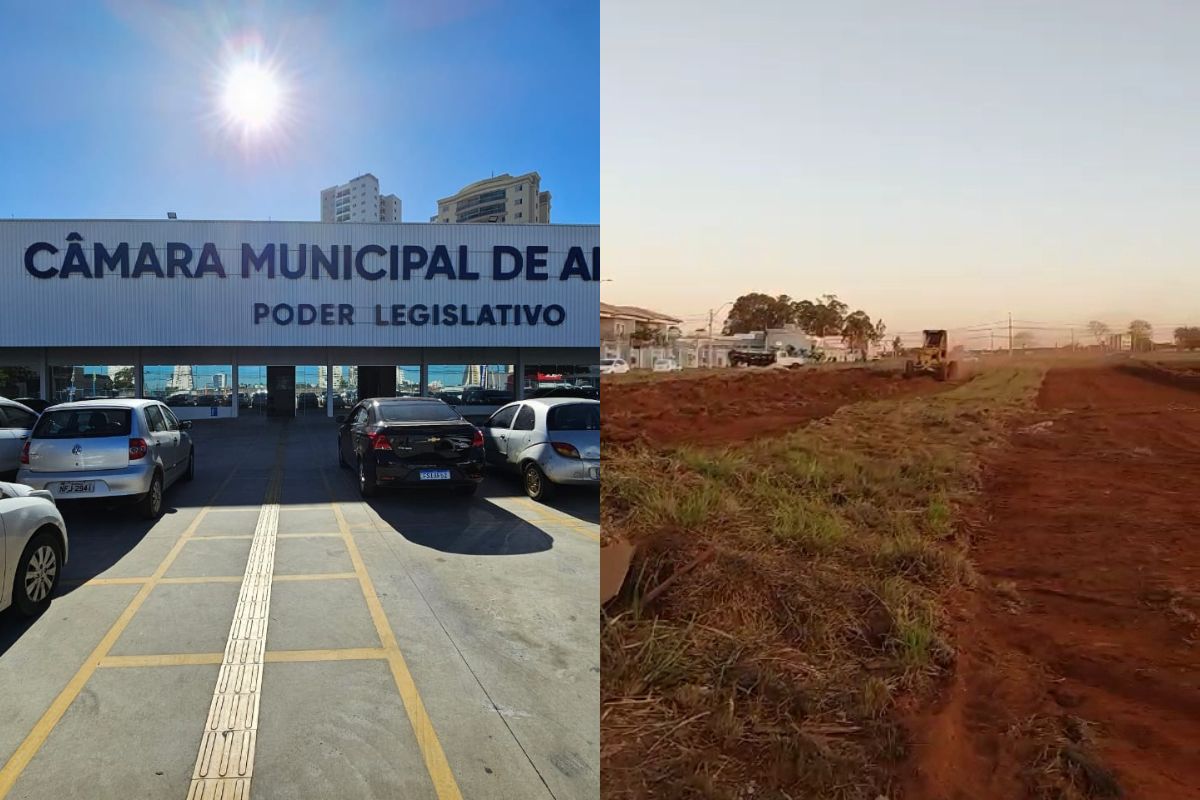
point(359, 201)
point(229, 318)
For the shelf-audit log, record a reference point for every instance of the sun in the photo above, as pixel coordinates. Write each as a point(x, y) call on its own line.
point(251, 96)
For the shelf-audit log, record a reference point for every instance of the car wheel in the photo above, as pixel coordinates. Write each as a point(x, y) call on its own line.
point(38, 571)
point(191, 467)
point(150, 506)
point(537, 485)
point(366, 480)
point(341, 459)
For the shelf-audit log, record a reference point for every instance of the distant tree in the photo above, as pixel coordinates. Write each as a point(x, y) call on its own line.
point(858, 332)
point(1187, 338)
point(123, 378)
point(823, 317)
point(1024, 339)
point(1140, 334)
point(897, 346)
point(757, 312)
point(1099, 330)
point(880, 330)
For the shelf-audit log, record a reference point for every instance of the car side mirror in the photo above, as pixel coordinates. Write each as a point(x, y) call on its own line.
point(185, 425)
point(340, 418)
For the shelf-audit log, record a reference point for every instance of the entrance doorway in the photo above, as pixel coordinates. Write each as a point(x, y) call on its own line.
point(281, 391)
point(376, 381)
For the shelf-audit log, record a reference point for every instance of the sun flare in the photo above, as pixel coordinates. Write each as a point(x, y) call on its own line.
point(252, 96)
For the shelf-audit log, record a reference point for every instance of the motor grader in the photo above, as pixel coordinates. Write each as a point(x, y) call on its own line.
point(933, 358)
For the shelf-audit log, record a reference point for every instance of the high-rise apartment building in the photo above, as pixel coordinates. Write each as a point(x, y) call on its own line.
point(502, 198)
point(359, 201)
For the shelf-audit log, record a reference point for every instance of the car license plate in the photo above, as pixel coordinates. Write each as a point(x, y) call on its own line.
point(435, 474)
point(77, 487)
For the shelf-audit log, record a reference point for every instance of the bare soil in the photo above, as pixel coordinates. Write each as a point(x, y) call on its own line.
point(737, 406)
point(1078, 673)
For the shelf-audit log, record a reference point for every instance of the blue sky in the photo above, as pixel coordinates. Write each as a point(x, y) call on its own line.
point(935, 162)
point(111, 109)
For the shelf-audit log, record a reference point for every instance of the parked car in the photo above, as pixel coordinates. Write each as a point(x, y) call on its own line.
point(410, 441)
point(613, 366)
point(33, 548)
point(478, 396)
point(181, 399)
point(115, 448)
point(307, 400)
point(16, 421)
point(550, 441)
point(665, 365)
point(37, 404)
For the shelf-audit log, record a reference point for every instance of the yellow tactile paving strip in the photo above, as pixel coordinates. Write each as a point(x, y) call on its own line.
point(225, 762)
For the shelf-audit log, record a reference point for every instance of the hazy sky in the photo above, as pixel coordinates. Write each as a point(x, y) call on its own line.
point(110, 109)
point(936, 164)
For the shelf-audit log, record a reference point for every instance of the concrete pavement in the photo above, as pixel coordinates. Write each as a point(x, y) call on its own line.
point(419, 645)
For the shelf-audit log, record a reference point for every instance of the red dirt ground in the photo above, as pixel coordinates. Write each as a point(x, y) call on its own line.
point(740, 405)
point(1095, 521)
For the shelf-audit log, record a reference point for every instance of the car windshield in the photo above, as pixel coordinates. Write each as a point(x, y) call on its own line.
point(607, 362)
point(419, 411)
point(82, 423)
point(574, 417)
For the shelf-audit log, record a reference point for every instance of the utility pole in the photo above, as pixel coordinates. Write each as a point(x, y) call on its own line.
point(1010, 347)
point(709, 362)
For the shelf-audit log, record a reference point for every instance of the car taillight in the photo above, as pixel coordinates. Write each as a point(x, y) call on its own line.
point(25, 453)
point(477, 439)
point(379, 441)
point(565, 449)
point(137, 449)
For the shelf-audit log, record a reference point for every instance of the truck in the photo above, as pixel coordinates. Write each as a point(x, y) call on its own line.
point(765, 358)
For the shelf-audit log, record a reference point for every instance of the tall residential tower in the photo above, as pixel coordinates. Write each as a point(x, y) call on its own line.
point(359, 201)
point(502, 198)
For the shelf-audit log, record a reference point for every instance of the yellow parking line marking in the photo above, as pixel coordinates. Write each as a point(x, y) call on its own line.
point(160, 660)
point(317, 576)
point(203, 579)
point(105, 581)
point(427, 739)
point(323, 535)
point(270, 657)
point(342, 654)
point(544, 515)
point(34, 740)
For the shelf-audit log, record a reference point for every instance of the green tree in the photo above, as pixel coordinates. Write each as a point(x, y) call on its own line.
point(897, 346)
point(823, 317)
point(1187, 338)
point(1140, 334)
point(757, 312)
point(1099, 330)
point(123, 378)
point(858, 332)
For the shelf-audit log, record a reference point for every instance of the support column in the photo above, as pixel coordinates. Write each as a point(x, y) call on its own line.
point(519, 376)
point(139, 371)
point(235, 397)
point(328, 389)
point(424, 374)
point(44, 368)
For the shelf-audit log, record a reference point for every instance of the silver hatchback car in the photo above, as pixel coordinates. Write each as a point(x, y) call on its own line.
point(109, 448)
point(550, 441)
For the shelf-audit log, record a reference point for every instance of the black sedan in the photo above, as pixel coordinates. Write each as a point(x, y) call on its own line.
point(410, 441)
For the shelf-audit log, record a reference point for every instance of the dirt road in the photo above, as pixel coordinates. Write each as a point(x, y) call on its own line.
point(1089, 544)
point(741, 404)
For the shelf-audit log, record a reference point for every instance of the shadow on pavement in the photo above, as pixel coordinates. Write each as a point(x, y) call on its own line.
point(581, 502)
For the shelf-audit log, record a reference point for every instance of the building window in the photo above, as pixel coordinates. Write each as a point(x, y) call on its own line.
point(519, 215)
point(69, 383)
point(191, 390)
point(562, 380)
point(408, 380)
point(18, 382)
point(471, 384)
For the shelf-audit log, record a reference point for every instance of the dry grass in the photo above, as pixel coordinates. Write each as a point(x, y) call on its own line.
point(778, 662)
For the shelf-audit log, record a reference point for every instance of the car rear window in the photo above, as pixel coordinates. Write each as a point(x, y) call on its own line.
point(574, 417)
point(410, 411)
point(82, 423)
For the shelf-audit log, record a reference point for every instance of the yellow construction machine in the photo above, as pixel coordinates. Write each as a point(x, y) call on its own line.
point(932, 358)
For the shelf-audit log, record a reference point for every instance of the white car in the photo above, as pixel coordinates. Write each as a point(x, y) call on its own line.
point(613, 366)
point(16, 421)
point(33, 548)
point(665, 365)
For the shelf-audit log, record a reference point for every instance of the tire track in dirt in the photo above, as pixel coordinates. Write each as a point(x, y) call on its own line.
point(1089, 527)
